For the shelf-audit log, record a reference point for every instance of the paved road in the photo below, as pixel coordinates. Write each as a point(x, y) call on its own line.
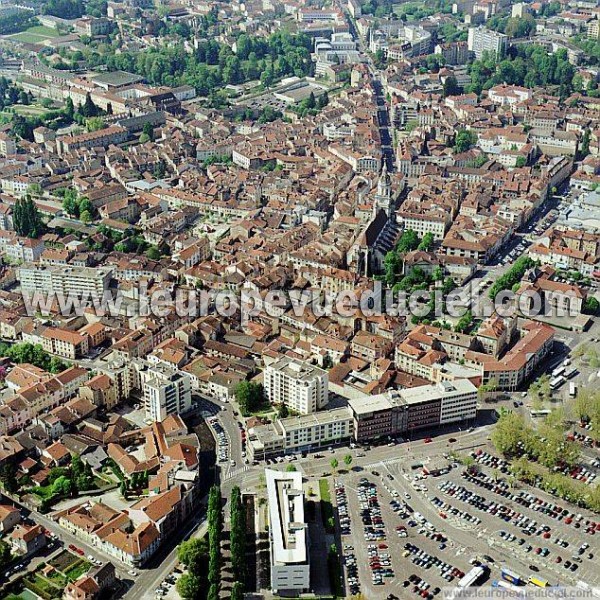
point(67, 538)
point(149, 579)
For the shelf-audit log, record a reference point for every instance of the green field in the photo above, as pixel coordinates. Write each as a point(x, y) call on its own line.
point(35, 35)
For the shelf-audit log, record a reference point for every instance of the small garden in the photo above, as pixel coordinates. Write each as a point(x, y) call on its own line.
point(49, 581)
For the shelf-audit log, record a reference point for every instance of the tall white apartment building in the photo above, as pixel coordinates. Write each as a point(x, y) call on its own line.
point(300, 386)
point(482, 40)
point(65, 280)
point(166, 392)
point(288, 532)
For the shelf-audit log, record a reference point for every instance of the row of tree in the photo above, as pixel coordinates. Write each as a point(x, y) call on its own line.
point(215, 530)
point(238, 537)
point(202, 557)
point(512, 277)
point(33, 354)
point(547, 445)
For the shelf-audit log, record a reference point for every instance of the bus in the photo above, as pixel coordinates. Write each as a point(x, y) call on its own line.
point(542, 583)
point(558, 371)
point(472, 577)
point(517, 592)
point(571, 372)
point(511, 576)
point(572, 389)
point(557, 382)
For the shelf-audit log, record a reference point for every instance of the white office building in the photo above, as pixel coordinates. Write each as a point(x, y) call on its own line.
point(288, 531)
point(302, 387)
point(482, 40)
point(166, 392)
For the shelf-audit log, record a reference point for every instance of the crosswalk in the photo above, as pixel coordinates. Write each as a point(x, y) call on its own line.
point(235, 472)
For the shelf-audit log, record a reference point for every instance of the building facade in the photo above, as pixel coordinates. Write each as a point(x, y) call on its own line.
point(298, 385)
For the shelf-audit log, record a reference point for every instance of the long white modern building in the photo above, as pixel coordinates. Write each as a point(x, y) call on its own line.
point(301, 386)
point(288, 531)
point(65, 280)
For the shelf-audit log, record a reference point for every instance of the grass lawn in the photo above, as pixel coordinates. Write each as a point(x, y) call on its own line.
point(35, 35)
point(30, 110)
point(77, 569)
point(45, 31)
point(42, 587)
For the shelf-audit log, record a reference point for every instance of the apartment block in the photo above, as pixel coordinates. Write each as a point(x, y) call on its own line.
point(298, 385)
point(482, 40)
point(65, 281)
point(166, 392)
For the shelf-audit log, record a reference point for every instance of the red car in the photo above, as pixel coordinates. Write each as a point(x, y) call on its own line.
point(428, 440)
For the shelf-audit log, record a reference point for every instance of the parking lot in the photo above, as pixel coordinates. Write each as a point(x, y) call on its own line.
point(409, 534)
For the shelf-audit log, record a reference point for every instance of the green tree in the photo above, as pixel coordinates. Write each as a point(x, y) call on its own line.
point(8, 477)
point(5, 555)
point(153, 253)
point(85, 217)
point(94, 124)
point(70, 206)
point(426, 243)
point(213, 592)
point(591, 306)
point(193, 554)
point(334, 464)
point(69, 109)
point(451, 87)
point(189, 586)
point(391, 265)
point(250, 396)
point(291, 468)
point(62, 486)
point(464, 323)
point(327, 362)
point(148, 131)
point(89, 109)
point(57, 473)
point(408, 241)
point(237, 591)
point(348, 460)
point(26, 218)
point(465, 138)
point(509, 433)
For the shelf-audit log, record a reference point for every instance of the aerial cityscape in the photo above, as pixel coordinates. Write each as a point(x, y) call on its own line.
point(299, 299)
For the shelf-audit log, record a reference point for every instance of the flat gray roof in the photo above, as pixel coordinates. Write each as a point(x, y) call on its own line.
point(116, 78)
